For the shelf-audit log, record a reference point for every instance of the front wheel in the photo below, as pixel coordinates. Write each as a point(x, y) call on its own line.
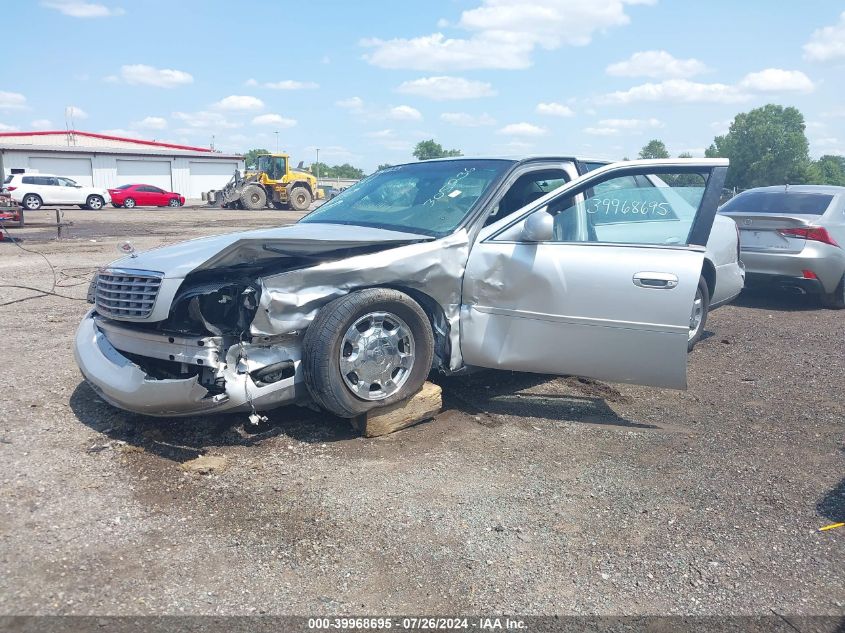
point(698, 314)
point(367, 349)
point(95, 203)
point(836, 299)
point(32, 202)
point(253, 198)
point(173, 203)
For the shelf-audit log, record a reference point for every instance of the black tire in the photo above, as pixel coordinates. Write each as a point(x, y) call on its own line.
point(129, 203)
point(299, 199)
point(324, 337)
point(253, 198)
point(95, 203)
point(836, 299)
point(32, 202)
point(702, 292)
point(279, 205)
point(174, 203)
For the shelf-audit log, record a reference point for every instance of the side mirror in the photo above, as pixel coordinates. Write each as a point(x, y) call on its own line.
point(539, 227)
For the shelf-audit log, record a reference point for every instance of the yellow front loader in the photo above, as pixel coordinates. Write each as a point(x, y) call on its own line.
point(272, 183)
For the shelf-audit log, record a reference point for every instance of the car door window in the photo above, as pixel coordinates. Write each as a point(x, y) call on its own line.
point(66, 182)
point(631, 209)
point(527, 188)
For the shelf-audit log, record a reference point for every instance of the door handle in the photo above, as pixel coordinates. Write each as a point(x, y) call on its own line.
point(660, 281)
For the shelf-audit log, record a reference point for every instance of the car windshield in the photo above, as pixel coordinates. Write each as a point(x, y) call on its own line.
point(778, 202)
point(431, 198)
point(8, 179)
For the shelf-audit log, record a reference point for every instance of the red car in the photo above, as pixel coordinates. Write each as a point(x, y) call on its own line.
point(131, 196)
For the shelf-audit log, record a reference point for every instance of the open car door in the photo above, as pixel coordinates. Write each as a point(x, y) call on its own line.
point(596, 278)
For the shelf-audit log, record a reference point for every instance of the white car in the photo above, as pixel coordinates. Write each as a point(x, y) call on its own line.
point(33, 191)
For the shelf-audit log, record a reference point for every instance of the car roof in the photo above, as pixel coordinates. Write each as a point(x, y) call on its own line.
point(828, 189)
point(40, 173)
point(518, 158)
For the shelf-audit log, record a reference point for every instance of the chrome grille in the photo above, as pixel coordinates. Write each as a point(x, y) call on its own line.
point(126, 294)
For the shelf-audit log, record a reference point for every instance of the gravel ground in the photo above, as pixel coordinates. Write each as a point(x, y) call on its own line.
point(528, 494)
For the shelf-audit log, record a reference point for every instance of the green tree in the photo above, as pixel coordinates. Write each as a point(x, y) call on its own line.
point(251, 157)
point(654, 149)
point(766, 146)
point(347, 171)
point(426, 150)
point(831, 170)
point(383, 166)
point(322, 168)
point(684, 155)
point(337, 171)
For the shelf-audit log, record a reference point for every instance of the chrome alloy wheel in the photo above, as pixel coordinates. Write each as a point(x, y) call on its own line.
point(696, 315)
point(377, 355)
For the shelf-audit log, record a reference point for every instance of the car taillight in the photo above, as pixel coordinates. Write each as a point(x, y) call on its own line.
point(815, 233)
point(10, 188)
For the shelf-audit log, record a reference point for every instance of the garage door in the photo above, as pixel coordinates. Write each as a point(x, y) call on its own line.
point(210, 175)
point(78, 169)
point(145, 172)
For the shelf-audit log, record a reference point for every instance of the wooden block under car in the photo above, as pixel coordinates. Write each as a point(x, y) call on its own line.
point(424, 404)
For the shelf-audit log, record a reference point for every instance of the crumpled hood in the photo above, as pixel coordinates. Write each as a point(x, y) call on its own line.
point(178, 260)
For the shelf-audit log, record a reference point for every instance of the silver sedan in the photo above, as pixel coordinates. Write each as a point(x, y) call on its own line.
point(428, 266)
point(792, 237)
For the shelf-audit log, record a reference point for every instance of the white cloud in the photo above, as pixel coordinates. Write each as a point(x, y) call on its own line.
point(554, 109)
point(41, 124)
point(77, 9)
point(290, 84)
point(777, 80)
point(445, 88)
point(502, 34)
point(275, 120)
point(149, 76)
point(631, 124)
point(251, 83)
point(612, 127)
point(522, 129)
point(601, 131)
point(678, 91)
point(73, 112)
point(239, 103)
point(657, 65)
point(204, 120)
point(7, 128)
point(382, 134)
point(12, 101)
point(828, 43)
point(151, 123)
point(463, 119)
point(404, 113)
point(352, 103)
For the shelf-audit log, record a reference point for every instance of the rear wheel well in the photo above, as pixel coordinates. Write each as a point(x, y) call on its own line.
point(708, 271)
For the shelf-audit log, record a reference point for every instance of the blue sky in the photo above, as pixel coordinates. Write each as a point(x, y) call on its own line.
point(364, 81)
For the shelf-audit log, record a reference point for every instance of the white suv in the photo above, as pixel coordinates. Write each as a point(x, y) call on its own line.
point(33, 191)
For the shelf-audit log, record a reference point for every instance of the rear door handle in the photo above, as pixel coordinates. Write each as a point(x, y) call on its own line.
point(660, 281)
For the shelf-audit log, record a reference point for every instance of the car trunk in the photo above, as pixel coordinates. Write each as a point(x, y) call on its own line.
point(772, 231)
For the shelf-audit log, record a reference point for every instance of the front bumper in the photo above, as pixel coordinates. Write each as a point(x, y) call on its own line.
point(124, 384)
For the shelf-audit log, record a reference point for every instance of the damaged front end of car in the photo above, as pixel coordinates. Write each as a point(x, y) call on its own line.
point(224, 332)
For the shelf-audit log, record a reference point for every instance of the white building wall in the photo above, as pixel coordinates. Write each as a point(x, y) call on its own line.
point(104, 166)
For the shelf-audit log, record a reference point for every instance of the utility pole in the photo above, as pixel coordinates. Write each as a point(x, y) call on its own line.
point(317, 167)
point(277, 141)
